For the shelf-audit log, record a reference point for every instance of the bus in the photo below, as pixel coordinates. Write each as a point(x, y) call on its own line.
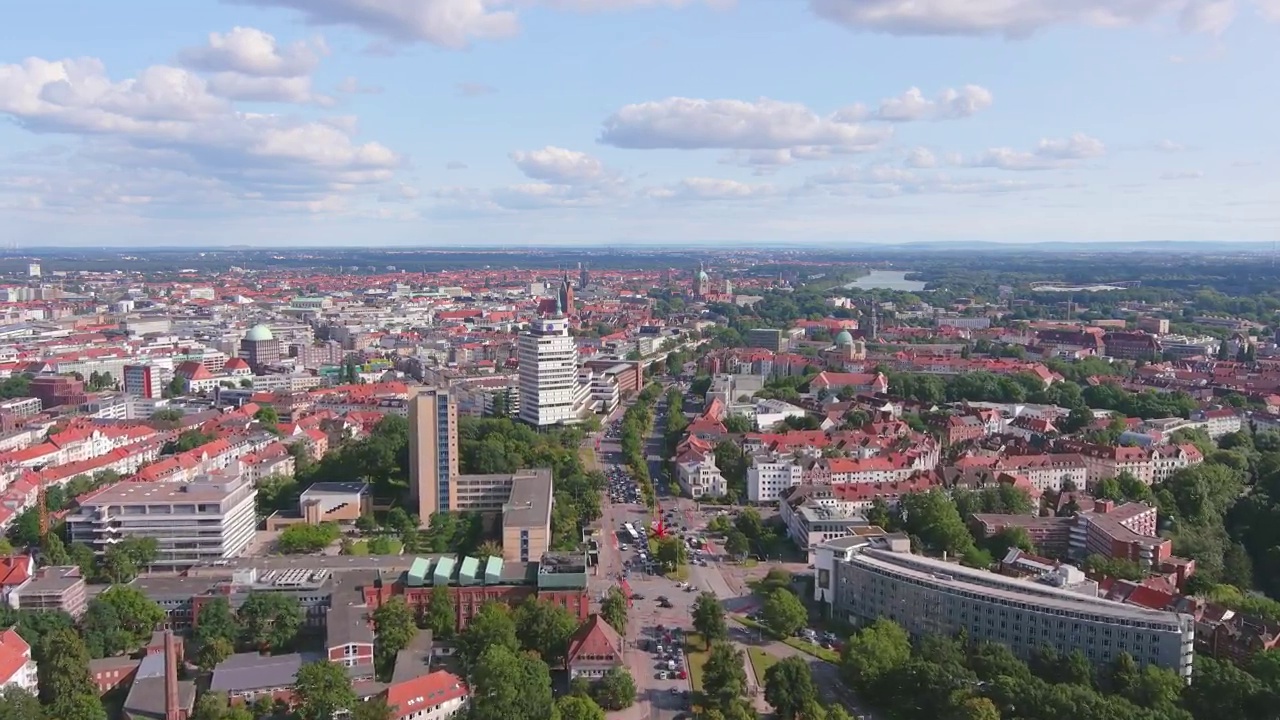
point(631, 530)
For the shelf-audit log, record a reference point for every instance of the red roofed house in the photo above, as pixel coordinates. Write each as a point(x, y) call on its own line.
point(594, 650)
point(16, 665)
point(858, 382)
point(434, 696)
point(15, 573)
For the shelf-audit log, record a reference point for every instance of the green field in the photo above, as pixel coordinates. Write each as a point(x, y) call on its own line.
point(761, 661)
point(589, 460)
point(361, 547)
point(696, 653)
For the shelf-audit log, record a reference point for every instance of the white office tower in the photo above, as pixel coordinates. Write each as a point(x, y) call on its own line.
point(33, 269)
point(550, 393)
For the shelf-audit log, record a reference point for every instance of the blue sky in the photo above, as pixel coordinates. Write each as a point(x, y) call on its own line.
point(437, 122)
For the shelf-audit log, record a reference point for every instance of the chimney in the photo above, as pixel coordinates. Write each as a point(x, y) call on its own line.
point(171, 709)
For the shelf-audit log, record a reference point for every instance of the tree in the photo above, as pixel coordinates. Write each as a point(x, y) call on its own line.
point(671, 553)
point(394, 629)
point(267, 415)
point(874, 652)
point(616, 690)
point(736, 543)
point(788, 687)
point(138, 614)
point(302, 538)
point(545, 628)
point(724, 677)
point(322, 691)
point(375, 708)
point(210, 706)
point(269, 621)
point(750, 523)
point(440, 617)
point(708, 618)
point(103, 632)
point(212, 652)
point(574, 707)
point(783, 613)
point(491, 627)
point(507, 685)
point(614, 610)
point(18, 704)
point(82, 706)
point(979, 708)
point(63, 671)
point(215, 620)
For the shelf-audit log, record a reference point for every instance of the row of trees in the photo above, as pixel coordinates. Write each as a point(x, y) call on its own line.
point(636, 424)
point(265, 622)
point(941, 677)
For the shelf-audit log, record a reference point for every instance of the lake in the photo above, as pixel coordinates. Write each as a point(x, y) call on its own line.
point(886, 280)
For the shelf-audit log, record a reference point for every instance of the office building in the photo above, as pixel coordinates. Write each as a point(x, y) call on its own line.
point(550, 393)
point(526, 516)
point(260, 348)
point(770, 339)
point(202, 521)
point(927, 596)
point(143, 381)
point(433, 451)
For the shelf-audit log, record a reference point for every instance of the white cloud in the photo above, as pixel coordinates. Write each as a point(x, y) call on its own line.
point(1170, 146)
point(167, 120)
point(951, 103)
point(1182, 175)
point(921, 158)
point(249, 51)
point(1268, 9)
point(687, 123)
point(560, 166)
point(1211, 17)
point(767, 162)
point(701, 188)
point(1011, 18)
point(352, 86)
point(235, 86)
point(1048, 154)
point(474, 89)
point(446, 23)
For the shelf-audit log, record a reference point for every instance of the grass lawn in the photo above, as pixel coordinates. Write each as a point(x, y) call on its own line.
point(681, 573)
point(695, 651)
point(800, 644)
point(761, 661)
point(361, 547)
point(588, 456)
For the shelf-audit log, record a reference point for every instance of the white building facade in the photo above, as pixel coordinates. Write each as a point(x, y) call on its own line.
point(550, 393)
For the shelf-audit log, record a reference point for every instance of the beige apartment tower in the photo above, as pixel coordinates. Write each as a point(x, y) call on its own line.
point(433, 451)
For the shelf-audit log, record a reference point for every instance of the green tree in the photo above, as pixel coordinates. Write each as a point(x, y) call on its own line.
point(736, 543)
point(212, 652)
point(210, 706)
point(671, 552)
point(302, 538)
point(545, 628)
point(979, 708)
point(873, 653)
point(789, 688)
point(574, 707)
point(509, 685)
point(709, 619)
point(394, 629)
point(491, 627)
point(215, 620)
point(54, 550)
point(18, 704)
point(750, 523)
point(440, 617)
point(103, 631)
point(82, 706)
point(63, 671)
point(269, 621)
point(614, 610)
point(139, 615)
point(783, 613)
point(375, 708)
point(724, 676)
point(322, 691)
point(267, 415)
point(616, 690)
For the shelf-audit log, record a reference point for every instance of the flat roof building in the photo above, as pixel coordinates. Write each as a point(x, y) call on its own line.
point(192, 523)
point(433, 451)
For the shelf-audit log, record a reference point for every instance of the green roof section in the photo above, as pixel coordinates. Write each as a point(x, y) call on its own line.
point(418, 572)
point(467, 575)
point(444, 570)
point(493, 570)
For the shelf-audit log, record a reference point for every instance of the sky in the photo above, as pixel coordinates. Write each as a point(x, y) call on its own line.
point(437, 123)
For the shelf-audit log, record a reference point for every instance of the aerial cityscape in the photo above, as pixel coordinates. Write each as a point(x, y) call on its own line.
point(640, 360)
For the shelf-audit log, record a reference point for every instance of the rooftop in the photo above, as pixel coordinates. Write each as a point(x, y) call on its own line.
point(151, 493)
point(529, 504)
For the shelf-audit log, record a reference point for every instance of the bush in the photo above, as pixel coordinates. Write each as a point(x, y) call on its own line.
point(303, 538)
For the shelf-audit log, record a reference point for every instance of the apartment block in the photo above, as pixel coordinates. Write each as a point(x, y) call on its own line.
point(433, 451)
point(202, 521)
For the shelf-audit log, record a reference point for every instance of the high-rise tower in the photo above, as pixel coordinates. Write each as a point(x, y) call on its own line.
point(550, 393)
point(584, 276)
point(433, 451)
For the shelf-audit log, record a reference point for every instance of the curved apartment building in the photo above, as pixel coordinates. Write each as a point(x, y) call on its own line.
point(928, 596)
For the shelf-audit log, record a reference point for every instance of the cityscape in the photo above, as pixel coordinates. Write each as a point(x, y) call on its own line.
point(394, 484)
point(640, 360)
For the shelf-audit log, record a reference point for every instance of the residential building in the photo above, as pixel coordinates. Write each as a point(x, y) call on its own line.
point(433, 451)
point(770, 476)
point(927, 596)
point(594, 649)
point(1126, 532)
point(1132, 346)
point(51, 588)
point(833, 382)
point(206, 520)
point(246, 677)
point(698, 474)
point(156, 693)
point(550, 393)
point(17, 667)
point(1184, 346)
point(143, 381)
point(436, 695)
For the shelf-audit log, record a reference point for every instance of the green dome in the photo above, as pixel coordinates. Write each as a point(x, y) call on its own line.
point(844, 338)
point(259, 333)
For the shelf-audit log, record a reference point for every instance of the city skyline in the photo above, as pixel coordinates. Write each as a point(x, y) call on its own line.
point(398, 123)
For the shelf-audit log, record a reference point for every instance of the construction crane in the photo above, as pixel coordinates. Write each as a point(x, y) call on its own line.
point(42, 510)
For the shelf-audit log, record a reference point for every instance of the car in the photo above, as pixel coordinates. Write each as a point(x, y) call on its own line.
point(681, 675)
point(664, 603)
point(676, 691)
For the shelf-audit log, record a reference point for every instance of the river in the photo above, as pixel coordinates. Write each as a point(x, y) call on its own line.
point(886, 280)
